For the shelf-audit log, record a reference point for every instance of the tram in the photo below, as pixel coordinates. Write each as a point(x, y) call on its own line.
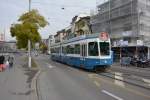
point(88, 52)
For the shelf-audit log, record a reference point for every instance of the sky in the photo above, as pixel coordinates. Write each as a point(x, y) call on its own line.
point(57, 17)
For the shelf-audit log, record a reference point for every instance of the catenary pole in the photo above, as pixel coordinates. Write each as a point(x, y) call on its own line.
point(29, 42)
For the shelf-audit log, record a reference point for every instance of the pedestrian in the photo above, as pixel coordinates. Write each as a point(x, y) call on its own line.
point(6, 64)
point(2, 59)
point(10, 60)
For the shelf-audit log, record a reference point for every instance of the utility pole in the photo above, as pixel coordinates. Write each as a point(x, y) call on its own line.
point(29, 42)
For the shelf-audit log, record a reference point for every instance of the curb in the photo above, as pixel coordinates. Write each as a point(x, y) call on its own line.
point(34, 86)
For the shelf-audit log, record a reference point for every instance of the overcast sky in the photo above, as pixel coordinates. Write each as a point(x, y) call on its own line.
point(51, 9)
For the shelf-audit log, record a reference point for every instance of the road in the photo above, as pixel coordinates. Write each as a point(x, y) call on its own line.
point(61, 82)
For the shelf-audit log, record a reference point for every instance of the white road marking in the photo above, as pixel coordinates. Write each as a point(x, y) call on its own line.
point(146, 81)
point(97, 84)
point(112, 95)
point(119, 79)
point(50, 66)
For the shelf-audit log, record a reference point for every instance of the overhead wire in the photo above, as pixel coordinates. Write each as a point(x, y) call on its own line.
point(62, 5)
point(69, 8)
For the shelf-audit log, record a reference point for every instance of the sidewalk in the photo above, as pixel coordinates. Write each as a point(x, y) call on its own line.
point(143, 72)
point(15, 83)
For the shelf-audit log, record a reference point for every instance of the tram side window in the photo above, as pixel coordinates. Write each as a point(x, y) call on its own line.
point(93, 49)
point(77, 49)
point(64, 50)
point(67, 49)
point(57, 50)
point(70, 49)
point(52, 50)
point(104, 48)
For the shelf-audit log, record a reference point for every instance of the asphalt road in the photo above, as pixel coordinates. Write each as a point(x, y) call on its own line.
point(61, 82)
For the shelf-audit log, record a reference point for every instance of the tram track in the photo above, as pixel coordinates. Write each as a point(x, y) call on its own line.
point(127, 78)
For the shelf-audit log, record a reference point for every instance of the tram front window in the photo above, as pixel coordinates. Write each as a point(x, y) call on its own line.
point(93, 49)
point(104, 48)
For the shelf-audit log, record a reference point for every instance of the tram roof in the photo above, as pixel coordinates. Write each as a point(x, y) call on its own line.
point(88, 36)
point(82, 37)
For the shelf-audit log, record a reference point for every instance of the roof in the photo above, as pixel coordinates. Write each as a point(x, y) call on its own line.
point(67, 28)
point(80, 16)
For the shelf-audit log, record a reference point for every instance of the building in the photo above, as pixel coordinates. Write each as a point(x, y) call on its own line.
point(2, 37)
point(45, 41)
point(128, 22)
point(59, 36)
point(81, 25)
point(51, 40)
point(8, 47)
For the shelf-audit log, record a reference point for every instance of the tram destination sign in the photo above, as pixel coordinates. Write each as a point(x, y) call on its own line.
point(103, 36)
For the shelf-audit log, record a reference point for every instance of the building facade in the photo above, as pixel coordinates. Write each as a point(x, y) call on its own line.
point(82, 25)
point(8, 47)
point(127, 22)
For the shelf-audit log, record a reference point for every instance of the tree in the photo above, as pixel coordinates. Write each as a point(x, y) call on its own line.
point(27, 28)
point(43, 47)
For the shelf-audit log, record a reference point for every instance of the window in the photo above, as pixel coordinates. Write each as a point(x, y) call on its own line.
point(127, 27)
point(52, 50)
point(77, 49)
point(57, 50)
point(104, 48)
point(64, 50)
point(70, 49)
point(127, 39)
point(93, 49)
point(67, 49)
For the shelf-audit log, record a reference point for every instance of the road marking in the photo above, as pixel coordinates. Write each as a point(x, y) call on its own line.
point(97, 84)
point(97, 78)
point(112, 95)
point(146, 81)
point(50, 66)
point(119, 79)
point(92, 75)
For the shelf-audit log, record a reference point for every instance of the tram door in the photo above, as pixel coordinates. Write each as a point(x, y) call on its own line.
point(83, 54)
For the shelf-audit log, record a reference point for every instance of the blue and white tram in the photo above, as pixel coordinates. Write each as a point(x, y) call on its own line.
point(88, 52)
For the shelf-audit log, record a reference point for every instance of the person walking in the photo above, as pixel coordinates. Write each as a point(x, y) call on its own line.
point(7, 64)
point(10, 60)
point(2, 59)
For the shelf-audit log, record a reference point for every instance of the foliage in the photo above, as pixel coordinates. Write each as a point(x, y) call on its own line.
point(43, 47)
point(27, 28)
